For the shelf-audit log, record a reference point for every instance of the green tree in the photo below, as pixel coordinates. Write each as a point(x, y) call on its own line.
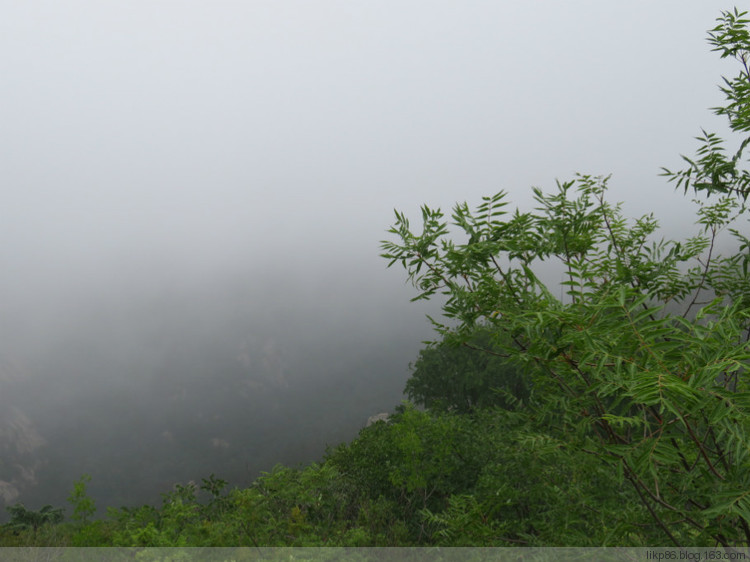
point(712, 170)
point(83, 506)
point(452, 376)
point(22, 518)
point(495, 477)
point(660, 397)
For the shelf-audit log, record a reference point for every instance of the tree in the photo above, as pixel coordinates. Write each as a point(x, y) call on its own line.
point(449, 376)
point(712, 171)
point(645, 361)
point(22, 518)
point(83, 506)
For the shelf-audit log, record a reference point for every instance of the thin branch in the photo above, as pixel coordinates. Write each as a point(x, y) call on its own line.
point(654, 516)
point(700, 446)
point(702, 282)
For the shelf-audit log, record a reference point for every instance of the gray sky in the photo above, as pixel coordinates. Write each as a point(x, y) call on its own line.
point(165, 143)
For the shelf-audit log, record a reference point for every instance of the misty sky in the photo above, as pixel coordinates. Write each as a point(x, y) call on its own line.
point(157, 146)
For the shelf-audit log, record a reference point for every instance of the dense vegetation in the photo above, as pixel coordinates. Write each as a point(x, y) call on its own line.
point(423, 478)
point(616, 415)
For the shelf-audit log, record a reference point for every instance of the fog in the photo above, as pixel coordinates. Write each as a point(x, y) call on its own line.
point(193, 196)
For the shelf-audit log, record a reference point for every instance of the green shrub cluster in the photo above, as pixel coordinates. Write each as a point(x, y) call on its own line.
point(423, 478)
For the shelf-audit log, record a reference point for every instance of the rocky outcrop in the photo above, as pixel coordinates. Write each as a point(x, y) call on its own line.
point(383, 416)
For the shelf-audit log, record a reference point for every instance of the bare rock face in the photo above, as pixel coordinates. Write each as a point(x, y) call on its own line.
point(19, 443)
point(383, 416)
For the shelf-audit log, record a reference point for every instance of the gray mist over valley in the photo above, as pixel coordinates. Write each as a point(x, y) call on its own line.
point(194, 193)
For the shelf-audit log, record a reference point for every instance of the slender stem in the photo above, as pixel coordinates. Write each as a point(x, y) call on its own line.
point(702, 282)
point(654, 515)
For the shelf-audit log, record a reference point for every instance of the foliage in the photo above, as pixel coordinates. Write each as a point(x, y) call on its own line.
point(452, 376)
point(713, 171)
point(661, 397)
point(22, 518)
point(489, 478)
point(83, 506)
point(492, 478)
point(314, 506)
point(415, 462)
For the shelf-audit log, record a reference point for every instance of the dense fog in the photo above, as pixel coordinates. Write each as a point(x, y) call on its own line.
point(144, 391)
point(193, 196)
